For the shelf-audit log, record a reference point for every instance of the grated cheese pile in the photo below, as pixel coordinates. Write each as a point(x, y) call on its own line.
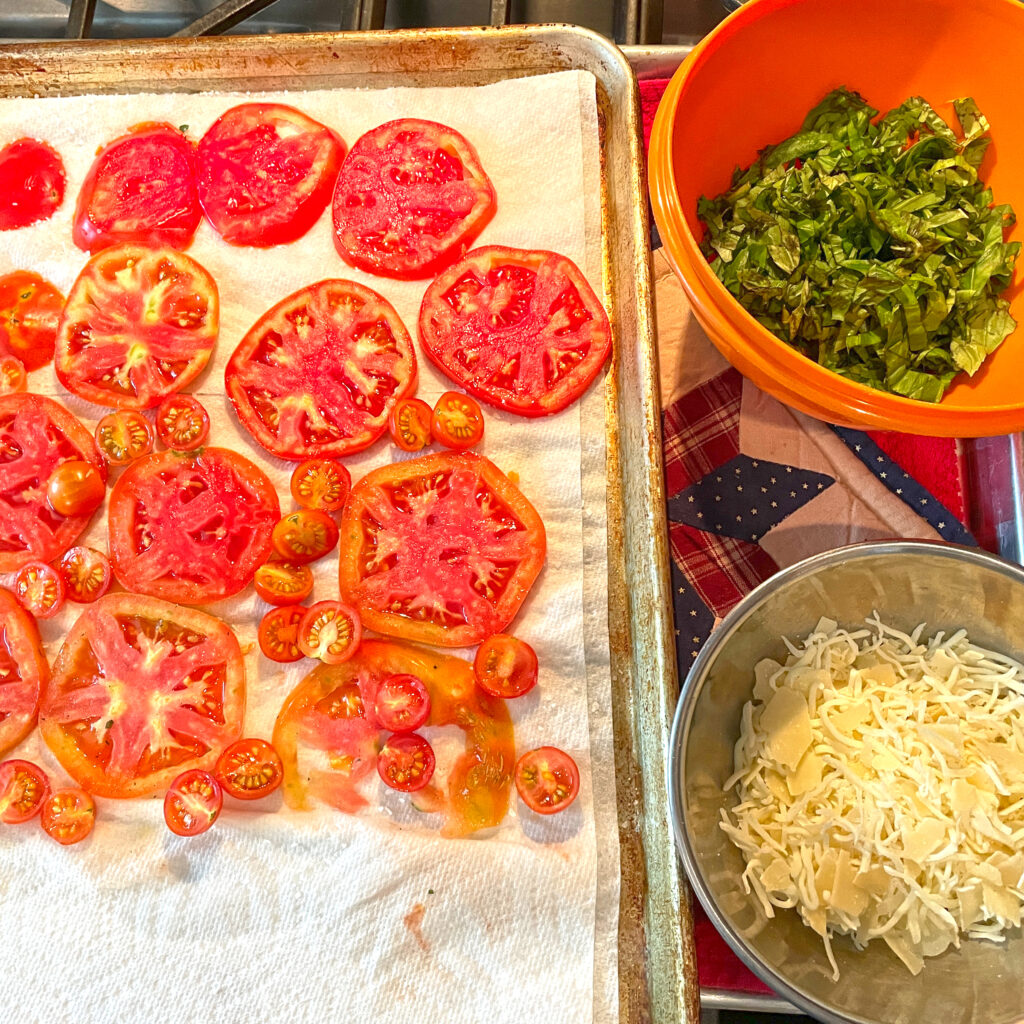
point(881, 788)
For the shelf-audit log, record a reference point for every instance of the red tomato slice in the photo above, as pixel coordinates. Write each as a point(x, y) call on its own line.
point(266, 172)
point(443, 549)
point(505, 666)
point(279, 633)
point(36, 436)
point(320, 372)
point(190, 528)
point(24, 671)
point(68, 815)
point(141, 188)
point(402, 703)
point(457, 421)
point(182, 423)
point(410, 424)
point(30, 310)
point(32, 181)
point(138, 325)
point(40, 589)
point(86, 574)
point(24, 788)
point(192, 803)
point(547, 780)
point(410, 198)
point(282, 583)
point(123, 437)
point(519, 328)
point(12, 375)
point(406, 762)
point(141, 691)
point(330, 631)
point(75, 488)
point(321, 483)
point(249, 769)
point(305, 536)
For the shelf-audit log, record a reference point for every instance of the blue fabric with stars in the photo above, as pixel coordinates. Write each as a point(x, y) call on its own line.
point(694, 621)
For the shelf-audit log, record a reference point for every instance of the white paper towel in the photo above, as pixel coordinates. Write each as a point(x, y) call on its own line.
point(275, 915)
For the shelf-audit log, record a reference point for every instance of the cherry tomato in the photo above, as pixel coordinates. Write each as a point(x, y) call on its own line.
point(30, 310)
point(330, 631)
point(322, 484)
point(182, 424)
point(249, 769)
point(458, 421)
point(32, 181)
point(192, 803)
point(86, 574)
point(278, 634)
point(406, 762)
point(75, 488)
point(24, 788)
point(505, 666)
point(40, 589)
point(402, 703)
point(12, 375)
point(68, 815)
point(282, 583)
point(304, 536)
point(410, 424)
point(547, 780)
point(124, 436)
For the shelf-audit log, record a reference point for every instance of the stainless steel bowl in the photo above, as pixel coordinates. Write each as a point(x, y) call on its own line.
point(907, 582)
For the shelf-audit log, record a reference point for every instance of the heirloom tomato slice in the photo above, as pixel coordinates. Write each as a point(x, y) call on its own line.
point(190, 528)
point(140, 188)
point(249, 769)
point(86, 574)
point(327, 735)
point(24, 788)
point(141, 691)
point(37, 436)
point(519, 328)
point(24, 671)
point(410, 198)
point(318, 374)
point(29, 313)
point(547, 780)
point(138, 324)
point(68, 815)
point(192, 803)
point(443, 549)
point(124, 436)
point(32, 181)
point(266, 171)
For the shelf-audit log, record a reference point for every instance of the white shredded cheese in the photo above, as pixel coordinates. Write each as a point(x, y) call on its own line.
point(880, 777)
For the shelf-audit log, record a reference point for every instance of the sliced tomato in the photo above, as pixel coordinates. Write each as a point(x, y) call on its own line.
point(266, 171)
point(410, 199)
point(505, 666)
point(182, 423)
point(190, 528)
point(305, 536)
point(30, 310)
point(40, 589)
point(24, 788)
point(141, 691)
point(68, 816)
point(282, 583)
point(123, 437)
point(547, 780)
point(12, 375)
point(402, 703)
point(249, 769)
point(138, 324)
point(141, 188)
point(321, 483)
point(519, 328)
point(406, 762)
point(192, 803)
point(32, 181)
point(75, 488)
point(443, 548)
point(457, 421)
point(410, 424)
point(278, 634)
point(320, 372)
point(86, 574)
point(330, 632)
point(24, 671)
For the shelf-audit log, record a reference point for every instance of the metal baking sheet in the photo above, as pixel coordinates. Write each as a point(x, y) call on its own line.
point(657, 970)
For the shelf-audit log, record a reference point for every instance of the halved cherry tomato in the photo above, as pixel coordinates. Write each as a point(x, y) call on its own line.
point(86, 574)
point(304, 536)
point(410, 424)
point(505, 666)
point(24, 672)
point(75, 488)
point(24, 788)
point(32, 183)
point(278, 634)
point(40, 589)
point(402, 703)
point(182, 423)
point(458, 421)
point(12, 375)
point(29, 313)
point(406, 762)
point(547, 780)
point(192, 803)
point(330, 631)
point(249, 769)
point(321, 483)
point(68, 815)
point(282, 583)
point(124, 436)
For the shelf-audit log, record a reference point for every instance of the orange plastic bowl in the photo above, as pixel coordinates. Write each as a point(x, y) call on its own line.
point(749, 84)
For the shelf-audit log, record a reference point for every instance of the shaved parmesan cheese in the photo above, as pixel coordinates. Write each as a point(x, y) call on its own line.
point(880, 778)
